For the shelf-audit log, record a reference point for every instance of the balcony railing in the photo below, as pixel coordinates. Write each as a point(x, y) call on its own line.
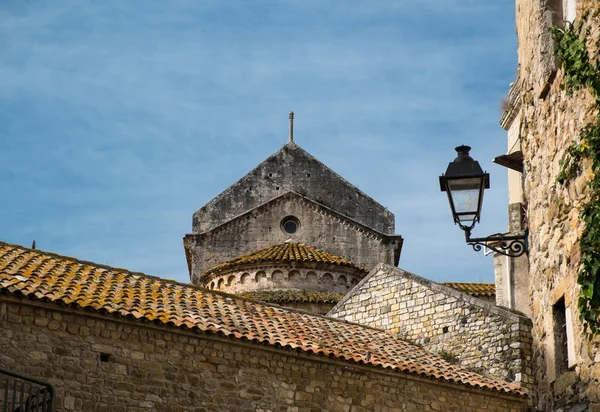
point(19, 393)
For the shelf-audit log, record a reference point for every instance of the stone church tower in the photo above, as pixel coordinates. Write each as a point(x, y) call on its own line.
point(289, 224)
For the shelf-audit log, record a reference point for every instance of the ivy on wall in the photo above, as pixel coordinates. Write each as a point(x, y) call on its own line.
point(581, 71)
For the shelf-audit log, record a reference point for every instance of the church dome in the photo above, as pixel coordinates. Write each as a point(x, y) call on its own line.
point(299, 273)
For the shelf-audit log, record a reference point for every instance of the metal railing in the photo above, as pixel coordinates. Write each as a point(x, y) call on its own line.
point(19, 393)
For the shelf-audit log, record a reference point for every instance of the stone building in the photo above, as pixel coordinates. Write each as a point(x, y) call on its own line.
point(291, 196)
point(292, 234)
point(113, 340)
point(291, 230)
point(297, 235)
point(542, 120)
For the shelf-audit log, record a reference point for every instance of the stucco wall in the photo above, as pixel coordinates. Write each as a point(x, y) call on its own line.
point(292, 168)
point(550, 123)
point(478, 334)
point(319, 228)
point(164, 369)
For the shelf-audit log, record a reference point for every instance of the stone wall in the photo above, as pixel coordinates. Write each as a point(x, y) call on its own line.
point(318, 227)
point(477, 334)
point(100, 363)
point(550, 123)
point(293, 169)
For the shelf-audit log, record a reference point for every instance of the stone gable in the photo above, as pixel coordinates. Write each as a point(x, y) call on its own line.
point(473, 332)
point(291, 168)
point(319, 226)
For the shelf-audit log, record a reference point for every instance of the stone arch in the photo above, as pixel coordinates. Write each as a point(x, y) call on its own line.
point(261, 277)
point(277, 277)
point(312, 279)
point(220, 284)
point(327, 280)
point(245, 278)
point(341, 284)
point(231, 280)
point(294, 277)
point(212, 285)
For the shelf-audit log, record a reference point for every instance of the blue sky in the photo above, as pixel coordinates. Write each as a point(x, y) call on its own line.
point(119, 119)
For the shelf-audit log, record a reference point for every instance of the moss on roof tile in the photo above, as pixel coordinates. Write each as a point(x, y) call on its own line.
point(285, 252)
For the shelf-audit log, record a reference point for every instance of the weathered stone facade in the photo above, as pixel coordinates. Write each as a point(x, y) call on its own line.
point(478, 334)
point(319, 226)
point(104, 363)
point(548, 122)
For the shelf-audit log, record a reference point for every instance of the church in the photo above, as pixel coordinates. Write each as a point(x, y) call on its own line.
point(295, 303)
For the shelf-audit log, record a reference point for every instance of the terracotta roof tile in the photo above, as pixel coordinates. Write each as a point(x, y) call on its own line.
point(474, 289)
point(295, 296)
point(285, 252)
point(41, 275)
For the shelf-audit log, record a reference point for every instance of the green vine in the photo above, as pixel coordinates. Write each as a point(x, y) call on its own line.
point(580, 71)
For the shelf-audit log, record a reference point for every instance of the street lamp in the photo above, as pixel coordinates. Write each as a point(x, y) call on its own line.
point(464, 182)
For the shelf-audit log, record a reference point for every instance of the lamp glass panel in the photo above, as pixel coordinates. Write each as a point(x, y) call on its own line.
point(465, 197)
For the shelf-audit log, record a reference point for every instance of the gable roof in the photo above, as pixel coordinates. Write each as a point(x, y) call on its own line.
point(63, 280)
point(292, 168)
point(285, 252)
point(473, 289)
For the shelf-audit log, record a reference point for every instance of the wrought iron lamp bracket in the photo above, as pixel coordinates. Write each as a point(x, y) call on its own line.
point(507, 245)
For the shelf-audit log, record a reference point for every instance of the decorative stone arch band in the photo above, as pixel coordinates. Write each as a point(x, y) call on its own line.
point(253, 278)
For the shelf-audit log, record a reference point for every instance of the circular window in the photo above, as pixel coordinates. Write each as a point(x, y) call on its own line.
point(290, 225)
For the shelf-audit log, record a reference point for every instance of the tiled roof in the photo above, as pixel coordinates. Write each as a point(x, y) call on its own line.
point(285, 252)
point(474, 289)
point(293, 296)
point(39, 275)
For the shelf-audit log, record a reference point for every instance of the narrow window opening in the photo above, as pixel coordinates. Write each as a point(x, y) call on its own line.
point(105, 357)
point(561, 356)
point(445, 329)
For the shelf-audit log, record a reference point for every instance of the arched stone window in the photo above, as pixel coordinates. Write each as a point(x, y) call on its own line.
point(341, 284)
point(261, 277)
point(277, 277)
point(220, 284)
point(230, 280)
point(311, 279)
point(327, 280)
point(244, 278)
point(294, 276)
point(212, 285)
